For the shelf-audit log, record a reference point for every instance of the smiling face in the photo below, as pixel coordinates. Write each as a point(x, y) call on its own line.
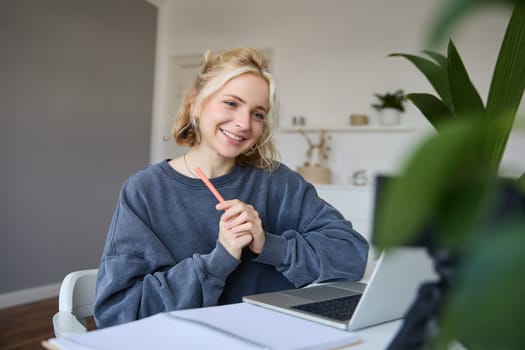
point(232, 119)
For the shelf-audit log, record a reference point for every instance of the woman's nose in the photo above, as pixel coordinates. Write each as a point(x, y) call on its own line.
point(242, 120)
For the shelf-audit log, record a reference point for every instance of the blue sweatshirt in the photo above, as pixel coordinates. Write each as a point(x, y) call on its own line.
point(162, 251)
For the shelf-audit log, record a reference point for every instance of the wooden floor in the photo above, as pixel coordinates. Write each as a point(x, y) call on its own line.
point(25, 326)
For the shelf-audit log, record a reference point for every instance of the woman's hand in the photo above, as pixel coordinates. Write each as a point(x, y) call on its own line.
point(233, 242)
point(241, 220)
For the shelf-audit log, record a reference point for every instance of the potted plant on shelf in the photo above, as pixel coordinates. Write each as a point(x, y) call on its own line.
point(390, 107)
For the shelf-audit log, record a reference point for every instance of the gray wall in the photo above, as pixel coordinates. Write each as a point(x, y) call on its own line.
point(76, 86)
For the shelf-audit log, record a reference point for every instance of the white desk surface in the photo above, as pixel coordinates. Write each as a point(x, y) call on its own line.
point(377, 337)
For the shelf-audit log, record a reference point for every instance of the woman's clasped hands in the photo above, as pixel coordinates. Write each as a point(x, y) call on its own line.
point(240, 226)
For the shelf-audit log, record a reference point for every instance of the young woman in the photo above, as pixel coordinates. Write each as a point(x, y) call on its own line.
point(171, 246)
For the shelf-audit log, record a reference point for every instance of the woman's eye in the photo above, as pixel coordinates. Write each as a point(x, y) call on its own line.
point(259, 115)
point(231, 103)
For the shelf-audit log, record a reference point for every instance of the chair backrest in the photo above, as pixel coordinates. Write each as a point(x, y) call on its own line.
point(77, 293)
point(76, 302)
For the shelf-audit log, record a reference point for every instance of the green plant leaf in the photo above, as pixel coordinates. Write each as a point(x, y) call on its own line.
point(465, 97)
point(521, 182)
point(508, 81)
point(435, 74)
point(476, 315)
point(439, 58)
point(443, 181)
point(432, 108)
point(439, 167)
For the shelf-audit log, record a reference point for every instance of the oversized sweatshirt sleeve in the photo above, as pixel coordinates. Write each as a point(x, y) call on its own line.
point(139, 277)
point(308, 240)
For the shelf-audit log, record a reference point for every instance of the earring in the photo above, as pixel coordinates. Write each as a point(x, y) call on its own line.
point(194, 123)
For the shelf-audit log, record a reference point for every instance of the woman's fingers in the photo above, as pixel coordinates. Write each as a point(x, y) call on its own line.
point(232, 209)
point(233, 242)
point(242, 219)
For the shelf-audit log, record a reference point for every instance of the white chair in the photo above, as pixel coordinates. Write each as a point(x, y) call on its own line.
point(75, 302)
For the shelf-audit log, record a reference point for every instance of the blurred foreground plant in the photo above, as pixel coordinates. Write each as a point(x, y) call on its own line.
point(450, 181)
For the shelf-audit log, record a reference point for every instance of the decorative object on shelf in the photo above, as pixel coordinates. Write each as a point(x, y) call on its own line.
point(358, 119)
point(390, 107)
point(317, 153)
point(313, 169)
point(298, 120)
point(316, 174)
point(359, 178)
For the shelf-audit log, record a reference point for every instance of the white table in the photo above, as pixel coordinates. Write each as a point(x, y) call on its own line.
point(377, 337)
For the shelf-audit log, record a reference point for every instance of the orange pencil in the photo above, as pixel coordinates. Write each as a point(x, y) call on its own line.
point(209, 184)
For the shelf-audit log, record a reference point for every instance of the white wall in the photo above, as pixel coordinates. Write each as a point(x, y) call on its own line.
point(329, 60)
point(75, 105)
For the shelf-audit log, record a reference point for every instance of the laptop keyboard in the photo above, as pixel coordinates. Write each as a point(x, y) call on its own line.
point(339, 309)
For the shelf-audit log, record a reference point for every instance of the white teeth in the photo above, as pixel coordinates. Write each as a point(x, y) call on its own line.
point(232, 136)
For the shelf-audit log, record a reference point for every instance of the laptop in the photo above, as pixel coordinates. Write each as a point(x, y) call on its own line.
point(354, 305)
point(387, 296)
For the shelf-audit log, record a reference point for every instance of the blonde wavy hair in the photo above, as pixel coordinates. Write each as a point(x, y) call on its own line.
point(215, 71)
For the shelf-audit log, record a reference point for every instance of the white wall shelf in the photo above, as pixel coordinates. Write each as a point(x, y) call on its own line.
point(350, 128)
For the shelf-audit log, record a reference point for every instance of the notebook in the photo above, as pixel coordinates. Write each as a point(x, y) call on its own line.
point(238, 326)
point(353, 305)
point(387, 296)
